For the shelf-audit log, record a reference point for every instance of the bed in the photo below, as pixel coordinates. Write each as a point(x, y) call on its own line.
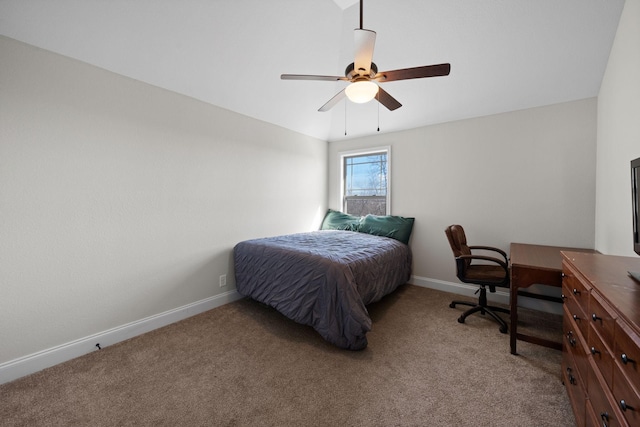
point(325, 278)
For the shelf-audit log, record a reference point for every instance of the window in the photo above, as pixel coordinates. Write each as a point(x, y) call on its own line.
point(365, 182)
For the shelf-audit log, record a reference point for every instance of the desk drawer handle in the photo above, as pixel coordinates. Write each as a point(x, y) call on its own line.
point(595, 317)
point(624, 406)
point(575, 291)
point(625, 359)
point(594, 351)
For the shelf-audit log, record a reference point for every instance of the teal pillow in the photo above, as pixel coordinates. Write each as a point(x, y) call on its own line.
point(335, 220)
point(396, 227)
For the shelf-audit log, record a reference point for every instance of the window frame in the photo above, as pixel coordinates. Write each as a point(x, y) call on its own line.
point(363, 152)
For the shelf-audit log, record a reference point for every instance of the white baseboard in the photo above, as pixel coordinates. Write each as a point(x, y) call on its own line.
point(35, 362)
point(500, 296)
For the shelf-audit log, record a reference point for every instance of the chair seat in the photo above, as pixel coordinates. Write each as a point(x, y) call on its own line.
point(486, 273)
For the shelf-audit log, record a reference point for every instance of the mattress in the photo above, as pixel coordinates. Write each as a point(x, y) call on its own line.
point(323, 279)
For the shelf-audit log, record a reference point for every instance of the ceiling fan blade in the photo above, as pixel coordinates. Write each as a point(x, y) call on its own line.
point(333, 101)
point(311, 77)
point(413, 73)
point(387, 100)
point(365, 41)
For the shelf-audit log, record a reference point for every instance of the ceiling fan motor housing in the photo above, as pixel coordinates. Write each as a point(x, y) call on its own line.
point(352, 74)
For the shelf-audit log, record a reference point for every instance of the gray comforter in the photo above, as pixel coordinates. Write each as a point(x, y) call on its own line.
point(323, 278)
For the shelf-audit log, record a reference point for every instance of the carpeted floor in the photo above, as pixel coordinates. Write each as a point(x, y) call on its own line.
point(244, 364)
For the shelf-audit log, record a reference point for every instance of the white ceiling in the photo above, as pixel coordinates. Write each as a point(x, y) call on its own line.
point(505, 54)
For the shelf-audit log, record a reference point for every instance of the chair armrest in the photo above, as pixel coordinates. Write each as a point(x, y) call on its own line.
point(491, 248)
point(501, 263)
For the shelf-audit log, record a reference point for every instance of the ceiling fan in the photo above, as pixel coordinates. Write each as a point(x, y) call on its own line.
point(364, 76)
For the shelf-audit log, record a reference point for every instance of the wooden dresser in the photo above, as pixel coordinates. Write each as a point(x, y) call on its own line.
point(601, 345)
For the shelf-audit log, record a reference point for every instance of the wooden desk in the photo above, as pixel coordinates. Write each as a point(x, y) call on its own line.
point(534, 264)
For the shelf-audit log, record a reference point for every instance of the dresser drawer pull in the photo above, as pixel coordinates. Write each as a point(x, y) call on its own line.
point(625, 359)
point(594, 351)
point(571, 339)
point(575, 291)
point(575, 317)
point(564, 297)
point(624, 406)
point(595, 318)
point(572, 379)
point(605, 418)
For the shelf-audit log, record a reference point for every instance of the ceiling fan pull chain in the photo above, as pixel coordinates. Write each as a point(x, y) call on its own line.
point(378, 98)
point(345, 118)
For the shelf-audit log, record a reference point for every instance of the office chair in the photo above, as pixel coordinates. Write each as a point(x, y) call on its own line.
point(481, 270)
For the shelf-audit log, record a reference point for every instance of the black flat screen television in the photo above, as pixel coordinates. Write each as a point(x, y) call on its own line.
point(635, 202)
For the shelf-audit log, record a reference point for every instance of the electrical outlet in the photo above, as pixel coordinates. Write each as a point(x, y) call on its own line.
point(223, 280)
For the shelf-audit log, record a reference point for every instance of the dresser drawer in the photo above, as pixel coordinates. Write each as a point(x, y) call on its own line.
point(575, 387)
point(572, 286)
point(592, 420)
point(626, 397)
point(605, 409)
point(576, 312)
point(601, 356)
point(573, 342)
point(627, 353)
point(601, 319)
point(606, 354)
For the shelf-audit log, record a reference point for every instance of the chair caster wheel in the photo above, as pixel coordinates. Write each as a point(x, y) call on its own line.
point(460, 319)
point(452, 305)
point(503, 329)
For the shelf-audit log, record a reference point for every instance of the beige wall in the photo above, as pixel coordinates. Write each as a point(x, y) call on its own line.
point(618, 136)
point(524, 176)
point(119, 200)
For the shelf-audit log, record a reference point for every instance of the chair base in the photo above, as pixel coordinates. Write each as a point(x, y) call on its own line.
point(482, 307)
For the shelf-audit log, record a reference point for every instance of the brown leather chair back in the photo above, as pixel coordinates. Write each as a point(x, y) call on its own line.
point(458, 241)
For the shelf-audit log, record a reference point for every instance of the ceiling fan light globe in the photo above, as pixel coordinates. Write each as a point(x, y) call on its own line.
point(361, 92)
